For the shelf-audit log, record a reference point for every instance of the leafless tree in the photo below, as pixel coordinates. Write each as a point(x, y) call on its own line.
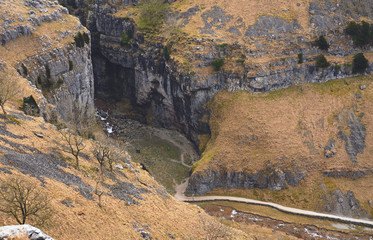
point(21, 199)
point(98, 192)
point(9, 89)
point(214, 228)
point(102, 154)
point(74, 144)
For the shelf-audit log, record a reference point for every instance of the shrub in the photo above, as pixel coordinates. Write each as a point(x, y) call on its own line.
point(321, 61)
point(125, 38)
point(217, 64)
point(79, 40)
point(360, 63)
point(71, 65)
point(167, 51)
point(361, 33)
point(240, 61)
point(222, 46)
point(321, 43)
point(300, 58)
point(85, 37)
point(152, 13)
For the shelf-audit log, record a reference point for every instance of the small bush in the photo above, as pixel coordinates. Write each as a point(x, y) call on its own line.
point(361, 33)
point(126, 38)
point(338, 67)
point(240, 61)
point(86, 37)
point(167, 51)
point(217, 64)
point(71, 65)
point(300, 58)
point(321, 61)
point(79, 40)
point(222, 46)
point(321, 43)
point(359, 64)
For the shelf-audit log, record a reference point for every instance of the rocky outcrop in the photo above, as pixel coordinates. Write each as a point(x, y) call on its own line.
point(44, 11)
point(22, 232)
point(65, 76)
point(337, 173)
point(345, 205)
point(271, 178)
point(329, 149)
point(355, 142)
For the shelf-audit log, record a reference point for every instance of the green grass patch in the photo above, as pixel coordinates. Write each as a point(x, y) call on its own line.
point(152, 15)
point(162, 159)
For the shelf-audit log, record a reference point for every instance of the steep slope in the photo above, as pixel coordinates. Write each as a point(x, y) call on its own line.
point(134, 206)
point(306, 146)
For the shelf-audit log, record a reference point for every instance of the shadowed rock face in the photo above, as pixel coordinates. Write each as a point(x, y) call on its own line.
point(273, 179)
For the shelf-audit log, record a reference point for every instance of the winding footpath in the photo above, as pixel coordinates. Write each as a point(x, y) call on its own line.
point(180, 190)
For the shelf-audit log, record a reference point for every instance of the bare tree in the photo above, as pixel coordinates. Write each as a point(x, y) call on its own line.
point(20, 199)
point(98, 192)
point(74, 144)
point(9, 89)
point(214, 228)
point(102, 153)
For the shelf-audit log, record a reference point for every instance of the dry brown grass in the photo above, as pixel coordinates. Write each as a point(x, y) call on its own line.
point(290, 124)
point(115, 219)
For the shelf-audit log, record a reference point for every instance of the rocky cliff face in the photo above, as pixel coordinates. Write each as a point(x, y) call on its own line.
point(271, 178)
point(65, 76)
point(37, 40)
point(174, 95)
point(140, 72)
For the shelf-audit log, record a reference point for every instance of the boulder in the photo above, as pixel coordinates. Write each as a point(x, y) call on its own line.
point(14, 231)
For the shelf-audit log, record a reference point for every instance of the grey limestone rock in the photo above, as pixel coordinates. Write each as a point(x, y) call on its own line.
point(271, 178)
point(74, 87)
point(15, 231)
point(329, 149)
point(266, 25)
point(344, 204)
point(355, 142)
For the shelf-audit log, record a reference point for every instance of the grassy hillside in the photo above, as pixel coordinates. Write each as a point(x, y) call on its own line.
point(289, 129)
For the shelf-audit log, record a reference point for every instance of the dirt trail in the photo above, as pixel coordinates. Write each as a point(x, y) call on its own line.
point(180, 190)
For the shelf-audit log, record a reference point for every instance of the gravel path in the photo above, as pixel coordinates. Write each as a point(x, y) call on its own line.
point(180, 190)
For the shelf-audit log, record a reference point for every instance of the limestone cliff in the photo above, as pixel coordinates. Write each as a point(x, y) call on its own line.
point(38, 41)
point(260, 44)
